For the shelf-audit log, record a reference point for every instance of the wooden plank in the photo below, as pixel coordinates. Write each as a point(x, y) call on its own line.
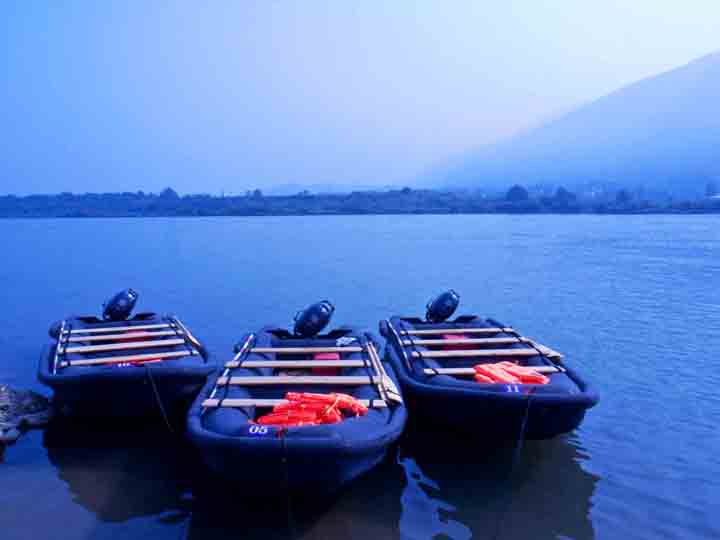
point(469, 341)
point(403, 352)
point(287, 380)
point(127, 358)
point(441, 331)
point(120, 337)
point(235, 402)
point(59, 345)
point(100, 329)
point(300, 350)
point(124, 346)
point(547, 351)
point(296, 363)
point(471, 371)
point(382, 386)
point(388, 385)
point(238, 355)
point(475, 353)
point(185, 330)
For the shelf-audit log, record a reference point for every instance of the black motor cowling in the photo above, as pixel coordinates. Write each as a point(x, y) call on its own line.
point(311, 321)
point(442, 307)
point(119, 307)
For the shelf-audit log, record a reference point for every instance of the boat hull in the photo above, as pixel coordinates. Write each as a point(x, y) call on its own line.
point(482, 414)
point(134, 391)
point(150, 390)
point(267, 461)
point(506, 411)
point(274, 466)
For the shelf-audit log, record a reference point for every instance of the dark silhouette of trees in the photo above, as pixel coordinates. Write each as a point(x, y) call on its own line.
point(623, 197)
point(169, 194)
point(711, 189)
point(563, 196)
point(400, 201)
point(517, 193)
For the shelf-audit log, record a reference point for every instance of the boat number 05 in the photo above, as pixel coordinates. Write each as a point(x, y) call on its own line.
point(258, 430)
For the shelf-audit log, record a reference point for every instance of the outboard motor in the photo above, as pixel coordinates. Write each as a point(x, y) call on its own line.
point(311, 321)
point(119, 307)
point(441, 308)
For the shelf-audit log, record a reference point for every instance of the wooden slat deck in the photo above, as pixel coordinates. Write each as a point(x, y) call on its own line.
point(101, 329)
point(441, 331)
point(469, 341)
point(413, 342)
point(237, 402)
point(291, 364)
point(471, 371)
point(384, 385)
point(301, 350)
point(120, 337)
point(124, 346)
point(349, 380)
point(137, 339)
point(475, 353)
point(127, 358)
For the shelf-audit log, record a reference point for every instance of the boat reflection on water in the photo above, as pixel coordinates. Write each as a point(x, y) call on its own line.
point(121, 472)
point(421, 513)
point(434, 485)
point(135, 474)
point(368, 507)
point(461, 488)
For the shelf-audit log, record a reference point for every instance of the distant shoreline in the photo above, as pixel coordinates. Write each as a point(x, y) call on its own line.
point(405, 201)
point(197, 216)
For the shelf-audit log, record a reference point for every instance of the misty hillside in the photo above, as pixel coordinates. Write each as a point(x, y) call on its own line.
point(661, 133)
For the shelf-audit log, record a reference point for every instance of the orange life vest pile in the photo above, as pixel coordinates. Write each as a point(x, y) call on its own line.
point(509, 373)
point(306, 409)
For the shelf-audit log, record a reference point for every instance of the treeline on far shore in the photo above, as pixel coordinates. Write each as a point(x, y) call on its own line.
point(516, 200)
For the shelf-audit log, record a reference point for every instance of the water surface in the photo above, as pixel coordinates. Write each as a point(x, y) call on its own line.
point(633, 302)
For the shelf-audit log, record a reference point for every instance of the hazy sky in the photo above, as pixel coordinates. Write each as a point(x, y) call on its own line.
point(211, 96)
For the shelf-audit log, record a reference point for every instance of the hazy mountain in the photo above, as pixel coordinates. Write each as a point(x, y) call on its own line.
point(662, 133)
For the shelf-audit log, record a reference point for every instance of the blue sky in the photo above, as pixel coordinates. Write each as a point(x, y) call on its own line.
point(213, 96)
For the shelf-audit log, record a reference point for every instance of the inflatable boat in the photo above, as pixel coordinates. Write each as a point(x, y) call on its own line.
point(293, 413)
point(482, 376)
point(143, 366)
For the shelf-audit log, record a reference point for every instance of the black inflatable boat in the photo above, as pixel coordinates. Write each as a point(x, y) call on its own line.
point(439, 365)
point(271, 369)
point(146, 365)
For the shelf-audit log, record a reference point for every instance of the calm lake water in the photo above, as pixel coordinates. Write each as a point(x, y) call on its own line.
point(633, 302)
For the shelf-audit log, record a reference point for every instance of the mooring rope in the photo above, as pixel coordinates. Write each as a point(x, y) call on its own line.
point(286, 478)
point(158, 399)
point(513, 464)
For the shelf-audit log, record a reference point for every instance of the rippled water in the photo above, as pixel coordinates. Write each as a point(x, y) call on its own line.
point(633, 302)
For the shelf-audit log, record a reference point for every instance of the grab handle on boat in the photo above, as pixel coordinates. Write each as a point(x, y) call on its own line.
point(383, 329)
point(396, 336)
point(239, 356)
